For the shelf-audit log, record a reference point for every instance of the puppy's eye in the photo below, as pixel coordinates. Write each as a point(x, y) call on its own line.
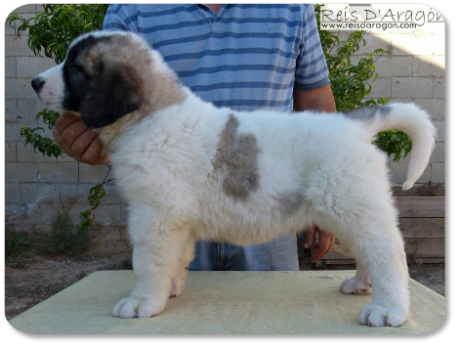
point(78, 68)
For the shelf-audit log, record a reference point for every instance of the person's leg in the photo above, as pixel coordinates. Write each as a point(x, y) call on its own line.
point(279, 255)
point(206, 257)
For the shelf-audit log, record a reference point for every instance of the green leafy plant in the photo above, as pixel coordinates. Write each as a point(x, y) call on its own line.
point(96, 193)
point(49, 117)
point(351, 82)
point(43, 144)
point(15, 244)
point(50, 32)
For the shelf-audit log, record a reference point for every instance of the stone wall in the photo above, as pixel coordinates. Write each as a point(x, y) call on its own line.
point(39, 188)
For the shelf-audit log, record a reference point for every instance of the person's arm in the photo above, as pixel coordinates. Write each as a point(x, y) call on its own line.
point(318, 99)
point(312, 91)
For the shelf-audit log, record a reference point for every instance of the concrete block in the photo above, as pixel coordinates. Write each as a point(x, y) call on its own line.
point(9, 30)
point(39, 193)
point(12, 193)
point(28, 109)
point(381, 88)
point(26, 153)
point(439, 153)
point(21, 172)
point(51, 210)
point(11, 109)
point(400, 66)
point(22, 213)
point(19, 88)
point(107, 214)
point(31, 67)
point(10, 67)
point(30, 8)
point(10, 151)
point(17, 47)
point(110, 239)
point(439, 90)
point(438, 173)
point(435, 107)
point(375, 41)
point(441, 129)
point(58, 172)
point(418, 44)
point(92, 174)
point(412, 87)
point(83, 193)
point(429, 66)
point(12, 130)
point(112, 196)
point(66, 158)
point(69, 193)
point(388, 66)
point(383, 66)
point(18, 227)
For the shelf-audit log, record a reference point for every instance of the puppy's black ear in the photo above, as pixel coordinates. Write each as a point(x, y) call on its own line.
point(112, 93)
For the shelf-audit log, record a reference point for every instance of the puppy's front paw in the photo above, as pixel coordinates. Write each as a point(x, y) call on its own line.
point(356, 286)
point(379, 316)
point(132, 307)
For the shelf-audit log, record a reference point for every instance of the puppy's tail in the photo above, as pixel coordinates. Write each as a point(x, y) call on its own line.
point(410, 119)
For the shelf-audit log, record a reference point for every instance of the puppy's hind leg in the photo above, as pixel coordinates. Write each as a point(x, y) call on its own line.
point(360, 284)
point(369, 227)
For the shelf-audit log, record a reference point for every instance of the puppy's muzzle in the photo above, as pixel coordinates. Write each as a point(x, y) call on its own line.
point(37, 84)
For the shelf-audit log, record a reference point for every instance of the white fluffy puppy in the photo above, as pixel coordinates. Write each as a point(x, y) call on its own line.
point(191, 171)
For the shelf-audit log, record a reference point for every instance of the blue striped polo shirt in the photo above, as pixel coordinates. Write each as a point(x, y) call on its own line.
point(246, 57)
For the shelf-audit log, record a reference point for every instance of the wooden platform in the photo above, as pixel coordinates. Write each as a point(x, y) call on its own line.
point(227, 303)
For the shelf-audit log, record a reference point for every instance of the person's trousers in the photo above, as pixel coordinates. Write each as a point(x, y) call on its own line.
point(278, 255)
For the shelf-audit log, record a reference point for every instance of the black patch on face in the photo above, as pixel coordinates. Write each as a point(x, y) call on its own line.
point(105, 96)
point(76, 80)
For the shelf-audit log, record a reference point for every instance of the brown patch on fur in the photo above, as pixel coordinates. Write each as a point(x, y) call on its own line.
point(237, 155)
point(291, 204)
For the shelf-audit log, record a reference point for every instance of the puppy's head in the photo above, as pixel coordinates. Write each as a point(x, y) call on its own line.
point(101, 78)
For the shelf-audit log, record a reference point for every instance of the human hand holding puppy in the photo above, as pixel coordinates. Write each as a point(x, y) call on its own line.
point(78, 141)
point(325, 243)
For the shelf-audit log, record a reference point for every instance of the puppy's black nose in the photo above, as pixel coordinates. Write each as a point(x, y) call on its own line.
point(37, 84)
